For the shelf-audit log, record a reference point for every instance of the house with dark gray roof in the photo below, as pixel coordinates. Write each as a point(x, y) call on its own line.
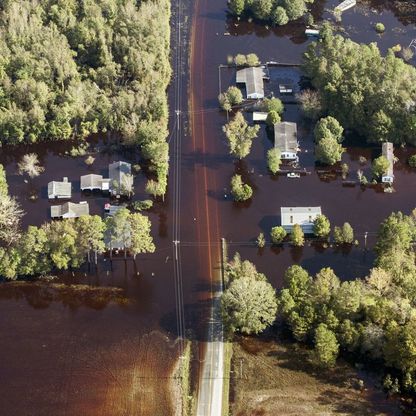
point(94, 182)
point(303, 216)
point(59, 190)
point(70, 210)
point(117, 172)
point(253, 79)
point(286, 140)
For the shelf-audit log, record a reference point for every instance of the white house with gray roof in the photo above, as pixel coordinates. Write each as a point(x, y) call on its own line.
point(59, 190)
point(286, 140)
point(304, 216)
point(253, 79)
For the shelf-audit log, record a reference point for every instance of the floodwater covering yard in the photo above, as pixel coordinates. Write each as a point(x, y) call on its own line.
point(113, 353)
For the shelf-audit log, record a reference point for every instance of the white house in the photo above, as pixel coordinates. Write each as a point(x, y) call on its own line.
point(94, 182)
point(387, 152)
point(304, 216)
point(285, 139)
point(59, 190)
point(253, 79)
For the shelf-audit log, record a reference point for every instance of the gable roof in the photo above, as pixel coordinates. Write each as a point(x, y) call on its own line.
point(253, 78)
point(285, 136)
point(59, 189)
point(116, 172)
point(93, 181)
point(70, 210)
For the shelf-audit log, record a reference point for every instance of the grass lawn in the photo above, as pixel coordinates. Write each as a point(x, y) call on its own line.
point(271, 378)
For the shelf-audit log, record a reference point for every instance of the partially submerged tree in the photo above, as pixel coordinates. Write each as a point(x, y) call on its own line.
point(10, 216)
point(29, 164)
point(297, 236)
point(321, 226)
point(240, 136)
point(240, 190)
point(249, 304)
point(274, 160)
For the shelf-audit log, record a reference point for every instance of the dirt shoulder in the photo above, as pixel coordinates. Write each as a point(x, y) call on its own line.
point(275, 379)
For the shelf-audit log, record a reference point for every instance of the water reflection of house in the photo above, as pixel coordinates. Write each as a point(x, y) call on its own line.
point(304, 216)
point(253, 79)
point(117, 172)
point(94, 182)
point(59, 190)
point(70, 210)
point(285, 139)
point(387, 152)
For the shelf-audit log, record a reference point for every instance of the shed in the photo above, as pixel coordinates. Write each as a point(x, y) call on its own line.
point(259, 116)
point(304, 216)
point(59, 190)
point(312, 33)
point(388, 153)
point(70, 210)
point(93, 182)
point(285, 139)
point(253, 79)
point(116, 172)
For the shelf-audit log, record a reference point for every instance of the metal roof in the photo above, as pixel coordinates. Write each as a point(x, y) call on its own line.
point(304, 216)
point(59, 189)
point(285, 136)
point(70, 210)
point(253, 78)
point(93, 181)
point(388, 152)
point(259, 116)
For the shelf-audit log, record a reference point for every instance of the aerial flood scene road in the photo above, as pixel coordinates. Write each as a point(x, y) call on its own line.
point(207, 207)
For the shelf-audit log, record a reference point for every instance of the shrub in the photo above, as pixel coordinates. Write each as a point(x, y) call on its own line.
point(412, 161)
point(274, 160)
point(260, 241)
point(240, 60)
point(297, 236)
point(379, 27)
point(240, 190)
point(277, 234)
point(344, 234)
point(142, 205)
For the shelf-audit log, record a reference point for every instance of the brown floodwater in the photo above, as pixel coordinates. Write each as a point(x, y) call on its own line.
point(112, 353)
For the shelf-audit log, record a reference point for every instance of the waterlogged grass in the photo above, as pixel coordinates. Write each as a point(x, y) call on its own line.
point(228, 353)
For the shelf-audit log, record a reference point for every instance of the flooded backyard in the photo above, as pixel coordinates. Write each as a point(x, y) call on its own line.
point(110, 348)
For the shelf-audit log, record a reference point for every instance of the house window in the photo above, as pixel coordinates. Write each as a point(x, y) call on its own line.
point(291, 219)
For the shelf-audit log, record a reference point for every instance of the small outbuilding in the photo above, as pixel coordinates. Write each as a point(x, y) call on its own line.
point(253, 79)
point(259, 116)
point(59, 190)
point(304, 216)
point(70, 210)
point(117, 172)
point(388, 152)
point(286, 140)
point(286, 89)
point(94, 182)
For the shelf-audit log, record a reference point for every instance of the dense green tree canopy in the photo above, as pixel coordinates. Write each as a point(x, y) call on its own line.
point(277, 11)
point(249, 304)
point(366, 92)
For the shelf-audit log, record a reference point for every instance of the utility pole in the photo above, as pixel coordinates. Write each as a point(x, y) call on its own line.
point(365, 239)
